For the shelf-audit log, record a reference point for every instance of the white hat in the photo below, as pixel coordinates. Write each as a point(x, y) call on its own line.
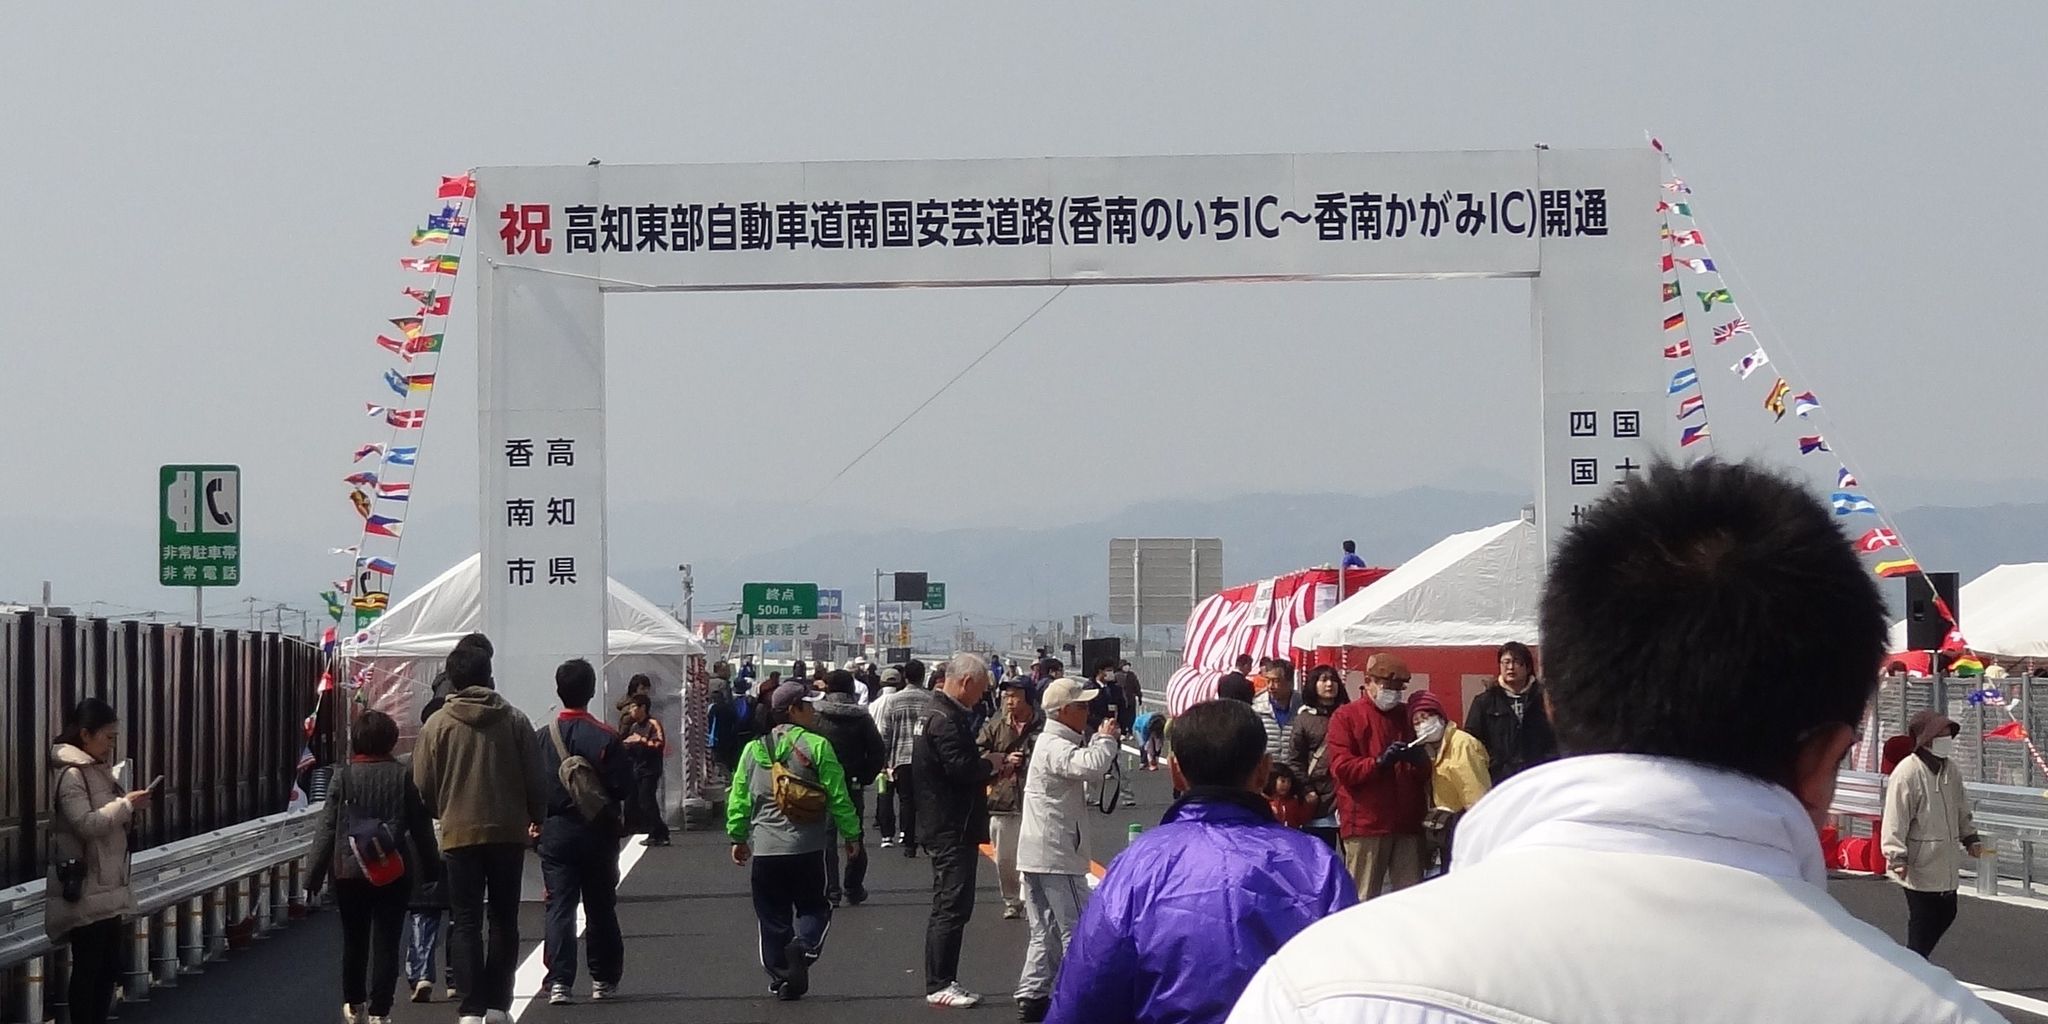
point(1063, 691)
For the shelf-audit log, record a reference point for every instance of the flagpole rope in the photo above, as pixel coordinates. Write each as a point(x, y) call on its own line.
point(551, 272)
point(1692, 359)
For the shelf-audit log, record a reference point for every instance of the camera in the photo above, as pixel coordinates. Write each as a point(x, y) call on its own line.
point(71, 879)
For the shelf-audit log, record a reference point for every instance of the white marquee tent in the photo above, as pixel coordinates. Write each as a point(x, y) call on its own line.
point(1473, 589)
point(2004, 612)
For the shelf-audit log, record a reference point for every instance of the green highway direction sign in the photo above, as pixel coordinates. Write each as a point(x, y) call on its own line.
point(199, 526)
point(934, 597)
point(778, 609)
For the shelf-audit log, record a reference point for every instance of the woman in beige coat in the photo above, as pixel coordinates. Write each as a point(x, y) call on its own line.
point(1927, 829)
point(89, 894)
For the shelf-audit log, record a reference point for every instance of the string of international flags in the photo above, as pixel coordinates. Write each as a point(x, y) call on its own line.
point(1882, 544)
point(380, 482)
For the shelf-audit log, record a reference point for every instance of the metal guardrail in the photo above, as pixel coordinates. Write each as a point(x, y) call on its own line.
point(2003, 814)
point(188, 894)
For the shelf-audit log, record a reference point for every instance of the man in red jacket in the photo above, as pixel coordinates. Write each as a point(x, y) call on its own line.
point(1382, 778)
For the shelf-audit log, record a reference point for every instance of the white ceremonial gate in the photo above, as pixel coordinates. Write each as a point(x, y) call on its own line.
point(1582, 225)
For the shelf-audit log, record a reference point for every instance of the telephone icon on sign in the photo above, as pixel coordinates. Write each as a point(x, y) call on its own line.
point(223, 500)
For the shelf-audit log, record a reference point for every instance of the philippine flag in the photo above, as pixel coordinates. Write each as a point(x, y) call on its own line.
point(383, 526)
point(1692, 435)
point(1809, 445)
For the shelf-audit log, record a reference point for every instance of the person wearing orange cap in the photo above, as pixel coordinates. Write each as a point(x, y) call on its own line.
point(1458, 773)
point(1382, 778)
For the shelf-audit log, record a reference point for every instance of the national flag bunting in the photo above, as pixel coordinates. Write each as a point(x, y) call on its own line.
point(334, 608)
point(1703, 265)
point(2009, 731)
point(1678, 351)
point(423, 296)
point(326, 647)
point(361, 502)
point(1672, 291)
point(1692, 435)
point(420, 382)
point(1675, 322)
point(422, 344)
point(438, 307)
point(383, 526)
point(1877, 540)
point(459, 187)
point(451, 220)
point(1804, 403)
point(350, 550)
point(421, 264)
point(1750, 363)
point(394, 492)
point(1677, 186)
point(380, 566)
point(447, 264)
point(1707, 299)
point(368, 450)
point(361, 479)
point(396, 346)
point(395, 381)
point(1901, 567)
point(1849, 503)
point(1967, 664)
point(429, 236)
point(1776, 402)
point(406, 419)
point(373, 410)
point(401, 456)
point(1683, 379)
point(1845, 479)
point(1692, 404)
point(1813, 443)
point(372, 602)
point(1667, 263)
point(410, 326)
point(346, 584)
point(1731, 329)
point(1693, 238)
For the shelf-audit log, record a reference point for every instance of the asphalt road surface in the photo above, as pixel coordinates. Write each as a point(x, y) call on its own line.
point(691, 948)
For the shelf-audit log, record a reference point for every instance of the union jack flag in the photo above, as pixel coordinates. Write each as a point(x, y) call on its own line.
point(1731, 329)
point(1678, 185)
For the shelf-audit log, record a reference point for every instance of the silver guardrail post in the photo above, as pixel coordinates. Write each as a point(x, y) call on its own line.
point(237, 912)
point(167, 947)
point(135, 987)
point(280, 896)
point(191, 942)
point(260, 884)
point(216, 928)
point(32, 990)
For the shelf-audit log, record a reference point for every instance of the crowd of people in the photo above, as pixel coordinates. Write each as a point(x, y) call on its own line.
point(1631, 831)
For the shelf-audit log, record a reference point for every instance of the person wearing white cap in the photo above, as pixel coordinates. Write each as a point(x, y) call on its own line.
point(1052, 849)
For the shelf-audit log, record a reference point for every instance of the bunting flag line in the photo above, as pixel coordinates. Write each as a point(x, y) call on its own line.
point(1970, 665)
point(1776, 402)
point(1750, 363)
point(1703, 265)
point(1707, 299)
point(1692, 435)
point(430, 236)
point(410, 326)
point(333, 601)
point(459, 187)
point(383, 526)
point(373, 602)
point(2012, 730)
point(395, 381)
point(421, 264)
point(1804, 403)
point(1684, 379)
point(1672, 291)
point(1692, 404)
point(1681, 350)
point(401, 456)
point(1901, 567)
point(1677, 186)
point(1675, 322)
point(306, 759)
point(1731, 329)
point(1845, 479)
point(1692, 238)
point(421, 345)
point(373, 410)
point(1684, 209)
point(347, 584)
point(350, 550)
point(1848, 503)
point(380, 566)
point(396, 347)
point(361, 501)
point(368, 450)
point(438, 307)
point(1667, 263)
point(1813, 443)
point(423, 296)
point(1877, 540)
point(394, 492)
point(406, 419)
point(361, 479)
point(420, 382)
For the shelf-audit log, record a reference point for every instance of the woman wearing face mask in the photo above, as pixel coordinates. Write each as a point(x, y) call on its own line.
point(1458, 773)
point(89, 895)
point(1927, 829)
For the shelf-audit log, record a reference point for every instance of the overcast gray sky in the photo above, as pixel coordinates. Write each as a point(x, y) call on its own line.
point(205, 202)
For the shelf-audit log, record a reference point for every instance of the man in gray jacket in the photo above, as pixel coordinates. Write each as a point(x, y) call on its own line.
point(1052, 853)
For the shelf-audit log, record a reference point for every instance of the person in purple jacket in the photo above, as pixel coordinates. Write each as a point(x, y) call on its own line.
point(1192, 909)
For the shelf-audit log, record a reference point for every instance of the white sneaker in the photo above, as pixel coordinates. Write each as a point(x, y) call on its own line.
point(603, 990)
point(558, 995)
point(351, 1013)
point(422, 991)
point(469, 1018)
point(953, 995)
point(497, 1017)
point(378, 1020)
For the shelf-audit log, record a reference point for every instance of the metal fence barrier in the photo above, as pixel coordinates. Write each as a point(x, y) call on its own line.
point(2012, 819)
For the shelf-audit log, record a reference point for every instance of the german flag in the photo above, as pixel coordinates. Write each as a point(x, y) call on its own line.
point(1675, 322)
point(1900, 567)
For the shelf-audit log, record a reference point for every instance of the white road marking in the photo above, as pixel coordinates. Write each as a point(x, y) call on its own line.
point(533, 973)
point(2003, 998)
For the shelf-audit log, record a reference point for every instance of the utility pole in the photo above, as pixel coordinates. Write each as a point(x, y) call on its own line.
point(254, 625)
point(689, 595)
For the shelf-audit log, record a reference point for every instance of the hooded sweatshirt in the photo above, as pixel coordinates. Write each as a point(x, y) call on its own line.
point(478, 768)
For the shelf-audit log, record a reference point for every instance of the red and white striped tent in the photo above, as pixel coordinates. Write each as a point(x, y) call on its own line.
point(1258, 619)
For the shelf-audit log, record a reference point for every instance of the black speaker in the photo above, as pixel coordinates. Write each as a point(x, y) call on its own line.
point(1097, 650)
point(910, 586)
point(897, 656)
point(1925, 627)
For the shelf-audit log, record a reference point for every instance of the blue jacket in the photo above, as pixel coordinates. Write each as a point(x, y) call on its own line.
point(585, 735)
point(1192, 910)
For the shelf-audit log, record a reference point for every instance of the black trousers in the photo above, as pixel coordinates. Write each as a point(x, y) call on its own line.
point(582, 871)
point(1928, 915)
point(906, 805)
point(885, 809)
point(645, 814)
point(95, 968)
point(483, 883)
point(372, 920)
point(952, 905)
point(789, 903)
point(857, 865)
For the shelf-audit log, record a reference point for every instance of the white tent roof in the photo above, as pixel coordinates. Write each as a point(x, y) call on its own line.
point(1473, 589)
point(2004, 612)
point(431, 619)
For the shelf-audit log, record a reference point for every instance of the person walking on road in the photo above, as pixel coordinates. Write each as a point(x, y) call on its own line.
point(579, 837)
point(1927, 829)
point(477, 767)
point(845, 724)
point(1711, 638)
point(88, 895)
point(372, 802)
point(1382, 781)
point(429, 910)
point(952, 821)
point(1009, 736)
point(645, 742)
point(723, 722)
point(1510, 716)
point(1190, 910)
point(889, 682)
point(787, 801)
point(1052, 850)
point(901, 718)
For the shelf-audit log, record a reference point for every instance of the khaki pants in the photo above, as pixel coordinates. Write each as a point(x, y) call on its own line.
point(1002, 834)
point(1382, 864)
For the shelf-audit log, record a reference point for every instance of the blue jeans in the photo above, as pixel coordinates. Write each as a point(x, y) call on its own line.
point(422, 941)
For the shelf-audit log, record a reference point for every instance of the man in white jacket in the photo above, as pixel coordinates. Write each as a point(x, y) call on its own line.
point(1927, 829)
point(1712, 640)
point(1052, 853)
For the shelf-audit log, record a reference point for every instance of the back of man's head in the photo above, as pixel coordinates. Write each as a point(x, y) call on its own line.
point(575, 684)
point(1714, 614)
point(913, 672)
point(839, 680)
point(469, 665)
point(478, 641)
point(1219, 743)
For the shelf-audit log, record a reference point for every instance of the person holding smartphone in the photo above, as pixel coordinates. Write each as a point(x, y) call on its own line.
point(89, 894)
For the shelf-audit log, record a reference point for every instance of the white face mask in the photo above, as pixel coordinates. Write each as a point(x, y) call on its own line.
point(1942, 746)
point(1388, 700)
point(1431, 730)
